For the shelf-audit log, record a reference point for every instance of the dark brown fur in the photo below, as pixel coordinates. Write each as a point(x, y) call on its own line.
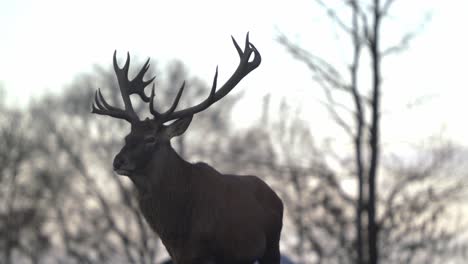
point(202, 215)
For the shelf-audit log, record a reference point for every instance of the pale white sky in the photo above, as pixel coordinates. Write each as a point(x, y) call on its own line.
point(45, 44)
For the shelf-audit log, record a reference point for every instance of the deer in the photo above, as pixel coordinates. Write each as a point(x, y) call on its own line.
point(200, 214)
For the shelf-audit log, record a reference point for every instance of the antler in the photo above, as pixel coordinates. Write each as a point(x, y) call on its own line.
point(137, 86)
point(244, 68)
point(127, 88)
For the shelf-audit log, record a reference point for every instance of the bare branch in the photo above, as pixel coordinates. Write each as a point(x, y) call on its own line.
point(407, 38)
point(386, 6)
point(335, 18)
point(322, 70)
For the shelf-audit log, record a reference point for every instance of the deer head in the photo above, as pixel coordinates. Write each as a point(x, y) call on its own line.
point(148, 136)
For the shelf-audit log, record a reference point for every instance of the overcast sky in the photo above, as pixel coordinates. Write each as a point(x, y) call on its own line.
point(45, 44)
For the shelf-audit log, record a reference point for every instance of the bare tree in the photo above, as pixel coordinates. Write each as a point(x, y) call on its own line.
point(23, 191)
point(61, 202)
point(94, 213)
point(361, 22)
point(421, 202)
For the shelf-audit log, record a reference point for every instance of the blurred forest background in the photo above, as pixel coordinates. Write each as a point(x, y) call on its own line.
point(351, 195)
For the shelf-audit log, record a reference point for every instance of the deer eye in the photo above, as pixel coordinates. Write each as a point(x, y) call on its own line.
point(150, 139)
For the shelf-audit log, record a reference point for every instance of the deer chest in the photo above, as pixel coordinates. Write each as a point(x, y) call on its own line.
point(169, 218)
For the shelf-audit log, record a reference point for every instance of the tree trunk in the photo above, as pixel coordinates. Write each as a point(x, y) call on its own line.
point(374, 137)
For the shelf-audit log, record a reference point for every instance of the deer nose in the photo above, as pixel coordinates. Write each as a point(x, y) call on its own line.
point(119, 161)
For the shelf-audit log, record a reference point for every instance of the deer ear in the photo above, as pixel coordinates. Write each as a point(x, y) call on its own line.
point(178, 127)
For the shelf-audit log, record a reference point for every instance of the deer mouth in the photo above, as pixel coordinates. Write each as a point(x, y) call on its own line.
point(122, 172)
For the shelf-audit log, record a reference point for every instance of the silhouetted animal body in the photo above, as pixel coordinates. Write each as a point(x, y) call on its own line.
point(201, 215)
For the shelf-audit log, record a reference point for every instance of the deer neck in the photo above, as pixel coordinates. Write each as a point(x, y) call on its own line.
point(166, 171)
point(165, 194)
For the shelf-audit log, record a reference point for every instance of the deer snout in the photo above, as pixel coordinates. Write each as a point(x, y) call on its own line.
point(118, 161)
point(121, 165)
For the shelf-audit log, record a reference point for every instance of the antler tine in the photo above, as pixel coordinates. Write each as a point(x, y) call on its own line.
point(175, 103)
point(127, 88)
point(101, 107)
point(249, 48)
point(168, 112)
point(137, 85)
point(243, 69)
point(153, 111)
point(124, 84)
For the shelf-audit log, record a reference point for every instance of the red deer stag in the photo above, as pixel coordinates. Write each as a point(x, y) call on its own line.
point(201, 215)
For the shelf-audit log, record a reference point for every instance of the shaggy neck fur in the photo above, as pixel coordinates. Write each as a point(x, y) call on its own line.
point(164, 170)
point(164, 187)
